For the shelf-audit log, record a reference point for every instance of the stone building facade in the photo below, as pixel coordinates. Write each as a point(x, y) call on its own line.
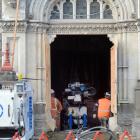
point(42, 21)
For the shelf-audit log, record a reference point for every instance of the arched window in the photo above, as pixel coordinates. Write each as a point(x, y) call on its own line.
point(67, 10)
point(55, 13)
point(81, 9)
point(94, 10)
point(108, 12)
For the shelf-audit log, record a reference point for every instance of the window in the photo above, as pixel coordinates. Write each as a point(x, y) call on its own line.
point(95, 10)
point(81, 9)
point(107, 12)
point(55, 13)
point(71, 9)
point(67, 10)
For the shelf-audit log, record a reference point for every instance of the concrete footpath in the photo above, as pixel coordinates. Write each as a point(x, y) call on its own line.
point(58, 135)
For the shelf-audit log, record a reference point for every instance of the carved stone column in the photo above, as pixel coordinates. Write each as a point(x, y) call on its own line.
point(39, 67)
point(138, 26)
point(74, 9)
point(125, 67)
point(88, 9)
point(43, 103)
point(101, 9)
point(125, 107)
point(136, 121)
point(61, 10)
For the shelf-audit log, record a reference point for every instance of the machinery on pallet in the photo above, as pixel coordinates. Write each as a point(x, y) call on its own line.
point(16, 104)
point(74, 103)
point(16, 98)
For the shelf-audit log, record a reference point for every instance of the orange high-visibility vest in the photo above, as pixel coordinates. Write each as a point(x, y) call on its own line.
point(56, 107)
point(104, 108)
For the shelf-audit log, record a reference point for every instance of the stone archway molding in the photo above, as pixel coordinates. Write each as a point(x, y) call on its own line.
point(40, 8)
point(51, 38)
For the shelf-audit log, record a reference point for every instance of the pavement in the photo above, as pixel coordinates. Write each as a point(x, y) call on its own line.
point(61, 135)
point(58, 135)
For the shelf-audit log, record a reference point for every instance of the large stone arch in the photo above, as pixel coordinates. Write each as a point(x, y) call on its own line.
point(39, 9)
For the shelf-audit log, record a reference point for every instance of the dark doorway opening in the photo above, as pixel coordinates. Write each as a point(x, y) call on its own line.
point(82, 58)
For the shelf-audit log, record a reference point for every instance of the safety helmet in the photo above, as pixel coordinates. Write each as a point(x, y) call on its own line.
point(52, 92)
point(107, 94)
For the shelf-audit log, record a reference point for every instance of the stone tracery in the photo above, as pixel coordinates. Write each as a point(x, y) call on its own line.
point(85, 9)
point(119, 11)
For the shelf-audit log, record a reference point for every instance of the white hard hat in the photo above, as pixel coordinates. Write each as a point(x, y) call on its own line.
point(52, 91)
point(107, 94)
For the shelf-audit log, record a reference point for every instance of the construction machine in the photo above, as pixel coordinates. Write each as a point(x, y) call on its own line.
point(16, 103)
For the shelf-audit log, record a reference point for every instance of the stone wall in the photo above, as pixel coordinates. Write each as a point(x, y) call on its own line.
point(29, 51)
point(0, 34)
point(0, 50)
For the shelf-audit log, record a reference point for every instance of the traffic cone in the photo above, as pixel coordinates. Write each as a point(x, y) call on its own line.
point(16, 136)
point(43, 136)
point(70, 136)
point(98, 135)
point(125, 133)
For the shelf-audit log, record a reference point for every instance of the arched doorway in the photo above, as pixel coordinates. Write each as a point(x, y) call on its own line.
point(71, 21)
point(84, 59)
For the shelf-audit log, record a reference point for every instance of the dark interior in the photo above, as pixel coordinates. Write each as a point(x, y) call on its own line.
point(81, 58)
point(7, 133)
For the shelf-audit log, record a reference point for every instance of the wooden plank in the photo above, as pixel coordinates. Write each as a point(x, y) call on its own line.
point(48, 84)
point(113, 55)
point(50, 122)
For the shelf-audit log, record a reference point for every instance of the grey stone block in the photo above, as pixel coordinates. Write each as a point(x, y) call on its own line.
point(126, 116)
point(39, 108)
point(137, 103)
point(136, 128)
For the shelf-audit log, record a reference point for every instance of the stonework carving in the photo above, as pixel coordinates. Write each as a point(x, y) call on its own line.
point(113, 38)
point(127, 26)
point(82, 28)
point(138, 25)
point(8, 26)
point(23, 26)
point(51, 38)
point(37, 27)
point(70, 28)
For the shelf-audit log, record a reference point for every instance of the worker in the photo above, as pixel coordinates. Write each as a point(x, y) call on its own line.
point(56, 109)
point(104, 109)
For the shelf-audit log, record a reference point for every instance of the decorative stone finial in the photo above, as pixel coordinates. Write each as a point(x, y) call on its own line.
point(6, 66)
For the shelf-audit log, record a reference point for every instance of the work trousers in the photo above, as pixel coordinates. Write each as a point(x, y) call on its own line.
point(57, 120)
point(104, 122)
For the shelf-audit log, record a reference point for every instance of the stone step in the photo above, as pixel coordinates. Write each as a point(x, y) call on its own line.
point(40, 116)
point(40, 124)
point(38, 132)
point(58, 135)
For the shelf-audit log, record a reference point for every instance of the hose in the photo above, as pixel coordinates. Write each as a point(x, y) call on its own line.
point(20, 114)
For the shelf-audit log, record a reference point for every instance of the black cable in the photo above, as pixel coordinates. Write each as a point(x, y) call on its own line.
point(23, 119)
